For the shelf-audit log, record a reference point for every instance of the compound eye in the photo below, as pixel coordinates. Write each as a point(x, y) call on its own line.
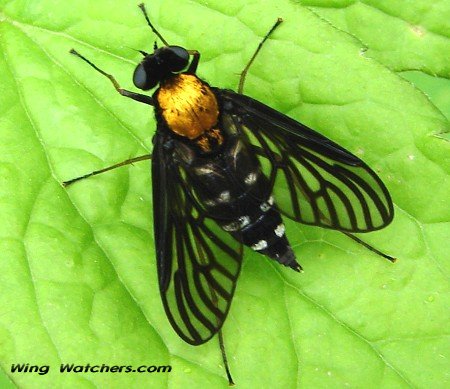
point(177, 58)
point(141, 79)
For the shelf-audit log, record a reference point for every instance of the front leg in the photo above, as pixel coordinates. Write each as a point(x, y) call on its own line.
point(132, 95)
point(194, 64)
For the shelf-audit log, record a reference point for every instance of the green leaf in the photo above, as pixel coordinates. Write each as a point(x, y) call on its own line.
point(437, 89)
point(5, 382)
point(410, 37)
point(402, 34)
point(78, 282)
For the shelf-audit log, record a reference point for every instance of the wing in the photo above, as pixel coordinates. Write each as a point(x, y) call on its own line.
point(198, 263)
point(314, 180)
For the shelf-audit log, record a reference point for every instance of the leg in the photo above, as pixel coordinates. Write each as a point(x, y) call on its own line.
point(225, 360)
point(202, 257)
point(94, 173)
point(193, 66)
point(244, 72)
point(369, 247)
point(132, 95)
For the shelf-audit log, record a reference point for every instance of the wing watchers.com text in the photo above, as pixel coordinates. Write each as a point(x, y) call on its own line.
point(88, 368)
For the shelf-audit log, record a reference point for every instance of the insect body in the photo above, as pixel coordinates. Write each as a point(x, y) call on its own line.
point(223, 176)
point(225, 168)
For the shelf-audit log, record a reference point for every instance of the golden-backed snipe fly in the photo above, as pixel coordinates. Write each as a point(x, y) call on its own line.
point(225, 169)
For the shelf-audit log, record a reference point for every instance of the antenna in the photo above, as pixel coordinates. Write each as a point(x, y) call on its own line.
point(144, 11)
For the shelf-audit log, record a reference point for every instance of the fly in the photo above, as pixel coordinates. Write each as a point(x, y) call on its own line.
point(225, 169)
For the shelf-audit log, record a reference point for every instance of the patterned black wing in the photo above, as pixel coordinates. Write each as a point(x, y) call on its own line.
point(314, 180)
point(198, 263)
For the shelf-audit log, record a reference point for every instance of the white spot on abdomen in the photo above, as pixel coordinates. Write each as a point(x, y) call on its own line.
point(280, 230)
point(237, 225)
point(203, 170)
point(251, 178)
point(261, 245)
point(224, 197)
point(267, 205)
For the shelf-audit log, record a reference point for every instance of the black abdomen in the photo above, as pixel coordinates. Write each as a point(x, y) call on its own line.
point(267, 236)
point(233, 190)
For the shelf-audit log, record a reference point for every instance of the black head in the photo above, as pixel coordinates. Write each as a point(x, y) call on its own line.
point(155, 67)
